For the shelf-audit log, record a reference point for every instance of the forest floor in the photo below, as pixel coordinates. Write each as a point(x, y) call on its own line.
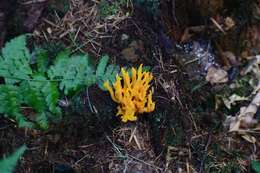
point(192, 128)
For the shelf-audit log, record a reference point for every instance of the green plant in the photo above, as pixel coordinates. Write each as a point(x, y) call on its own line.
point(25, 87)
point(8, 164)
point(256, 166)
point(33, 87)
point(106, 72)
point(107, 8)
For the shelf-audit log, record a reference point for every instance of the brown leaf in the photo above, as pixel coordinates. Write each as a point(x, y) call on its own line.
point(216, 75)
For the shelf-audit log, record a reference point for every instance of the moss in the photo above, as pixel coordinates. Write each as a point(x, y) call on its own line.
point(110, 8)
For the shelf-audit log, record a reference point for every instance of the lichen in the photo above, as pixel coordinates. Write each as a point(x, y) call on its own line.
point(132, 93)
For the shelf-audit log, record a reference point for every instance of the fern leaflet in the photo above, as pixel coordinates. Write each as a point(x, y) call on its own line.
point(8, 164)
point(106, 72)
point(11, 100)
point(73, 72)
point(15, 59)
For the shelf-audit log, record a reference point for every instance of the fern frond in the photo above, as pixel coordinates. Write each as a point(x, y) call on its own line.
point(15, 60)
point(8, 164)
point(32, 97)
point(42, 97)
point(22, 121)
point(73, 72)
point(41, 60)
point(42, 120)
point(49, 91)
point(51, 94)
point(11, 99)
point(102, 66)
point(106, 73)
point(30, 81)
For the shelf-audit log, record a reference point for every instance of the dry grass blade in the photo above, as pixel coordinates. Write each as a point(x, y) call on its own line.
point(81, 25)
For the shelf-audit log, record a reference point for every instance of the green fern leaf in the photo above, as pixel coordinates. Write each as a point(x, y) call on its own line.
point(51, 94)
point(38, 81)
point(25, 87)
point(14, 63)
point(22, 121)
point(102, 66)
point(106, 73)
point(49, 91)
point(41, 60)
point(111, 72)
point(73, 72)
point(32, 97)
point(39, 88)
point(11, 100)
point(256, 166)
point(43, 96)
point(8, 164)
point(42, 121)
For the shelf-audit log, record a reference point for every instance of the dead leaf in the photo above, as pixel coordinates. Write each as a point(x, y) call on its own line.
point(253, 65)
point(216, 75)
point(234, 125)
point(232, 99)
point(229, 23)
point(245, 119)
point(249, 138)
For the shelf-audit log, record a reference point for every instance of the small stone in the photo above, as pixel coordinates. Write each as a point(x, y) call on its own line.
point(124, 37)
point(49, 30)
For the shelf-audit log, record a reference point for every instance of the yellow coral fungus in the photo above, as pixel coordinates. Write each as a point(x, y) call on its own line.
point(132, 93)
